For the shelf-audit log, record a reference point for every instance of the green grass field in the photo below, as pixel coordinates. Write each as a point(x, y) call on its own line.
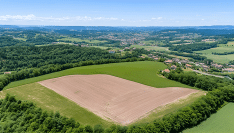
point(101, 47)
point(220, 122)
point(1, 75)
point(80, 40)
point(221, 49)
point(23, 39)
point(150, 42)
point(151, 47)
point(142, 72)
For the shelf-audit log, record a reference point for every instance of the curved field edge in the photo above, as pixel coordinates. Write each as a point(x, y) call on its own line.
point(141, 72)
point(220, 122)
point(51, 101)
point(169, 108)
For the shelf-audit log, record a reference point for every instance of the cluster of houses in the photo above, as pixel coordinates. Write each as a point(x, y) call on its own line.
point(190, 64)
point(208, 40)
point(153, 57)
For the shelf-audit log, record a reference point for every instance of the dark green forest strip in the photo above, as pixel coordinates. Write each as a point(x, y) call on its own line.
point(22, 116)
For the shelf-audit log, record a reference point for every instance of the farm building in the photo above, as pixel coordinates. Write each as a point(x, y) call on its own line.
point(168, 61)
point(173, 67)
point(188, 65)
point(166, 70)
point(228, 70)
point(7, 72)
point(111, 51)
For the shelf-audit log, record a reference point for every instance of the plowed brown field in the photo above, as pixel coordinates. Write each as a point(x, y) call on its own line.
point(120, 100)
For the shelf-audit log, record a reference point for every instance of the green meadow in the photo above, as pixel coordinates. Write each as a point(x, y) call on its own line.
point(101, 47)
point(150, 42)
point(220, 122)
point(80, 40)
point(1, 75)
point(22, 39)
point(144, 72)
point(150, 47)
point(221, 49)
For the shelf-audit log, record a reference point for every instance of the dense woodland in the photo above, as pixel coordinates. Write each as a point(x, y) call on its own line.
point(15, 58)
point(9, 41)
point(21, 116)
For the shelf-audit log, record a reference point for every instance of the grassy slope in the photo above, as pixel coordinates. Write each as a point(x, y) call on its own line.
point(1, 75)
point(101, 47)
point(142, 72)
point(152, 42)
point(221, 49)
point(51, 101)
point(23, 39)
point(221, 122)
point(151, 47)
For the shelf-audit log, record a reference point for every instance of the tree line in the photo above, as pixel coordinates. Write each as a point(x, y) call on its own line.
point(189, 48)
point(224, 53)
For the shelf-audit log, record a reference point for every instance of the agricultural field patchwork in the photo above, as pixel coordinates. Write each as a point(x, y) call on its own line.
point(220, 122)
point(221, 49)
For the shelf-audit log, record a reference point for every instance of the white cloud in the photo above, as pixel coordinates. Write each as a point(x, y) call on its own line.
point(146, 20)
point(33, 17)
point(158, 18)
point(18, 17)
point(103, 18)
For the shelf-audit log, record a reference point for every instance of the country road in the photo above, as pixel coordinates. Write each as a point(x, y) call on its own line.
point(211, 74)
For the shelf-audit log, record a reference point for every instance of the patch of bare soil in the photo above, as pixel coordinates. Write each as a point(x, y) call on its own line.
point(120, 100)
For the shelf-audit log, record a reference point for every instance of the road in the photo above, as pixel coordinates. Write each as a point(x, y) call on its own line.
point(212, 74)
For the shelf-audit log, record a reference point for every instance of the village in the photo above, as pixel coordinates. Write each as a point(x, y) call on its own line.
point(198, 67)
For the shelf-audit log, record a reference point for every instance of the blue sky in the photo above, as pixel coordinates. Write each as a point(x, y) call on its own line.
point(117, 12)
